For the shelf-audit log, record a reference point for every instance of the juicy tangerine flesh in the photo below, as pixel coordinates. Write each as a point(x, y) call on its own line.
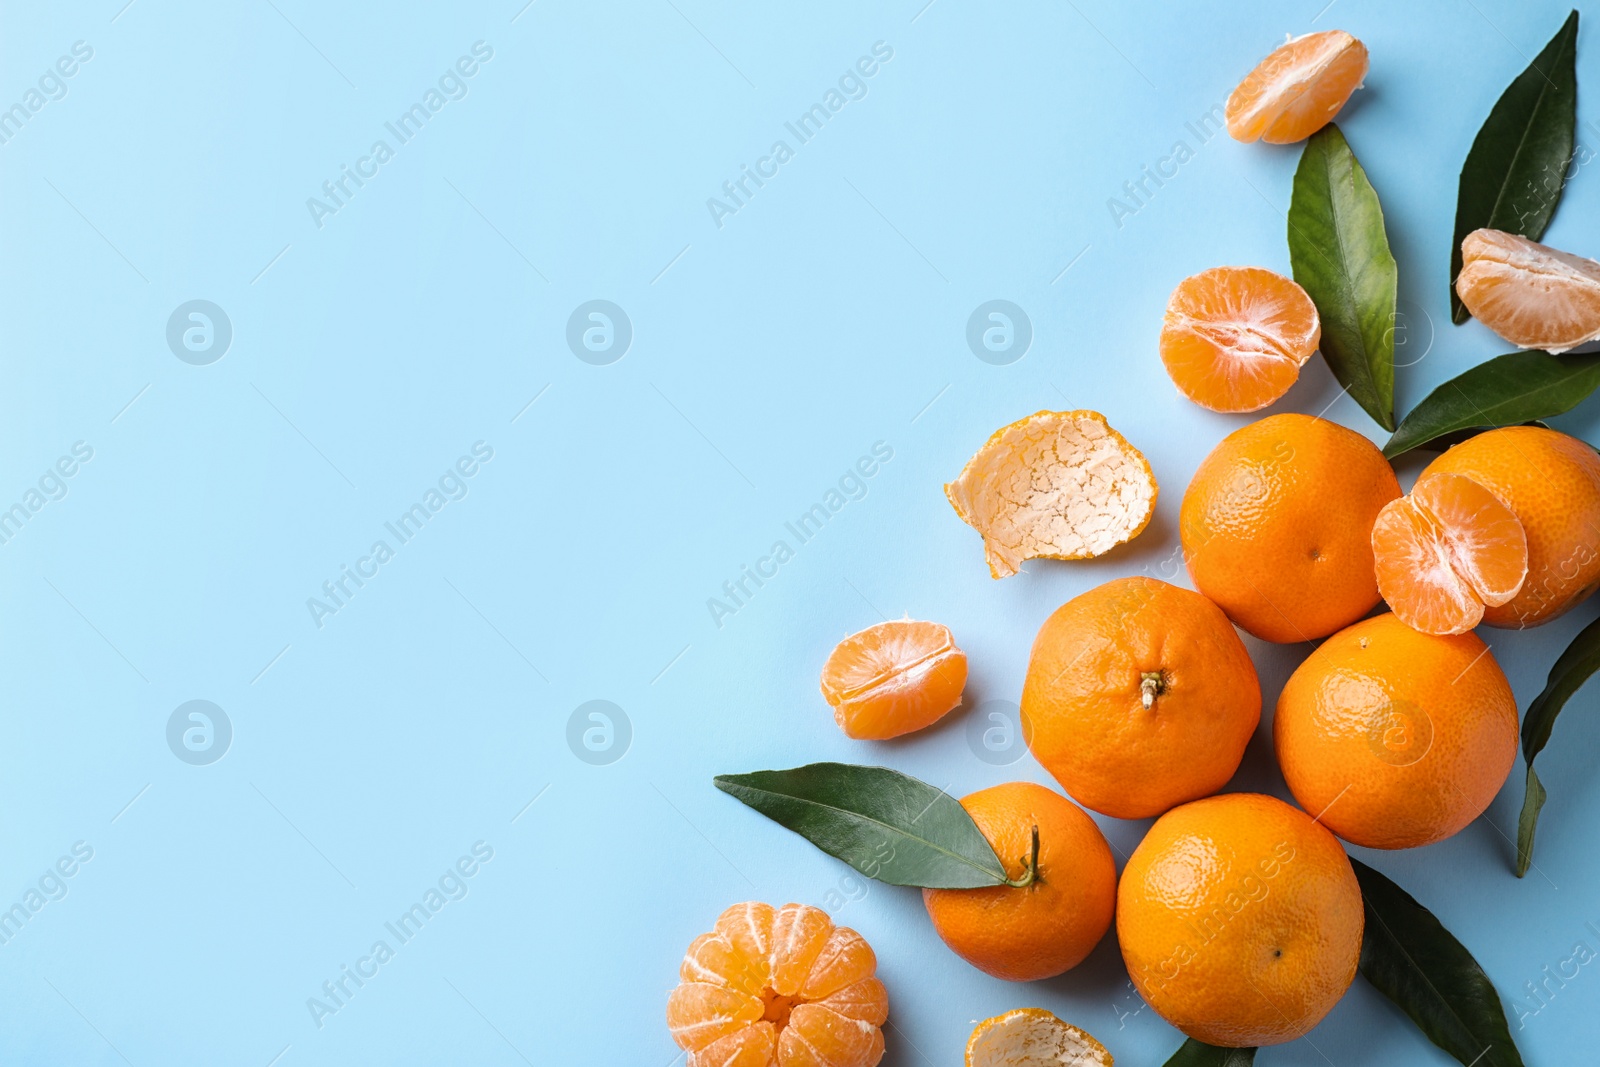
point(1240, 920)
point(1530, 294)
point(778, 987)
point(1025, 933)
point(1297, 89)
point(1234, 338)
point(893, 678)
point(1551, 482)
point(1446, 551)
point(1139, 696)
point(1395, 737)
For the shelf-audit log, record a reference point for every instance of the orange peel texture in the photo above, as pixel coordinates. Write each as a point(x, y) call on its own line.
point(1055, 485)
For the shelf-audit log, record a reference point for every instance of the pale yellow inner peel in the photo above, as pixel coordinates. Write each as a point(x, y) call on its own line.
point(1033, 1037)
point(1055, 485)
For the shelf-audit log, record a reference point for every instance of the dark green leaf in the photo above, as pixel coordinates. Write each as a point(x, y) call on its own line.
point(885, 824)
point(1533, 796)
point(1446, 441)
point(1415, 962)
point(1198, 1054)
point(1340, 256)
point(1503, 391)
point(1514, 174)
point(1572, 668)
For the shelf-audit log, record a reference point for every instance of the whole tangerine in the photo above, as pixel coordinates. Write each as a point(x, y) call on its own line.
point(1064, 893)
point(1240, 920)
point(1276, 526)
point(1139, 695)
point(1396, 738)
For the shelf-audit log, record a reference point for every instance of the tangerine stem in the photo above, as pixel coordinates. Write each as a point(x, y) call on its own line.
point(1030, 872)
point(1151, 685)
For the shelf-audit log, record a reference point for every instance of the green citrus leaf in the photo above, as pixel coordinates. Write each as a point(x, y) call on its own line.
point(885, 824)
point(1414, 961)
point(1506, 390)
point(1571, 669)
point(1340, 256)
point(1198, 1054)
point(1517, 167)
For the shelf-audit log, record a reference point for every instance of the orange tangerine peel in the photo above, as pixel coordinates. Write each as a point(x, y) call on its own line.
point(1055, 485)
point(1033, 1037)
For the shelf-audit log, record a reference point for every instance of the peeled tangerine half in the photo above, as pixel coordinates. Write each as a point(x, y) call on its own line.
point(1446, 551)
point(778, 987)
point(1055, 485)
point(1531, 294)
point(893, 678)
point(1033, 1037)
point(1235, 338)
point(1297, 89)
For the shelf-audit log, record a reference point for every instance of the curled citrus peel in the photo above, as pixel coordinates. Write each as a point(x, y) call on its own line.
point(1055, 485)
point(1033, 1037)
point(1531, 294)
point(1446, 551)
point(1297, 89)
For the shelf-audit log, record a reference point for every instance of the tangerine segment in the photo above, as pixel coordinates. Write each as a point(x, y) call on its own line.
point(1551, 482)
point(778, 987)
point(1531, 294)
point(1033, 1037)
point(1447, 550)
point(893, 678)
point(1297, 89)
point(1055, 485)
point(1234, 338)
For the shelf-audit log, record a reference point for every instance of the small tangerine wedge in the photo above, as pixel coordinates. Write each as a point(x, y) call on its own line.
point(1055, 485)
point(1234, 338)
point(1446, 551)
point(1139, 695)
point(1240, 920)
point(1033, 1037)
point(893, 678)
point(1396, 738)
point(1297, 89)
point(1551, 482)
point(1062, 893)
point(1531, 294)
point(778, 987)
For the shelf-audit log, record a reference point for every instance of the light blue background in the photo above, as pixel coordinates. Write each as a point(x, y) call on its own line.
point(768, 354)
